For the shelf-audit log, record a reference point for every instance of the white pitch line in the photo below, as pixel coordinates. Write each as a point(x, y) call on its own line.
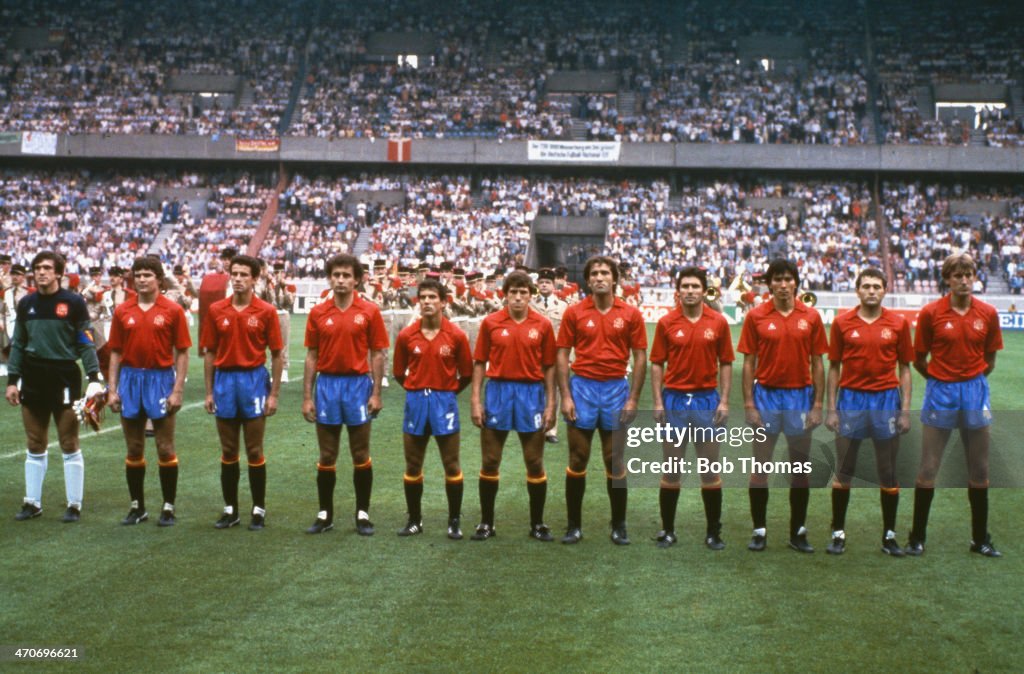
point(108, 429)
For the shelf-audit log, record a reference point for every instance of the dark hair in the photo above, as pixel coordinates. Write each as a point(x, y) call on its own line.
point(779, 267)
point(345, 260)
point(694, 272)
point(518, 279)
point(870, 272)
point(958, 262)
point(56, 258)
point(247, 261)
point(432, 284)
point(149, 263)
point(605, 260)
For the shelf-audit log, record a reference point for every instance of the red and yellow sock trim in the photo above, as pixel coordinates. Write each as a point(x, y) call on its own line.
point(713, 486)
point(413, 479)
point(135, 463)
point(890, 490)
point(364, 466)
point(169, 463)
point(453, 479)
point(488, 477)
point(321, 468)
point(569, 472)
point(229, 462)
point(540, 479)
point(258, 464)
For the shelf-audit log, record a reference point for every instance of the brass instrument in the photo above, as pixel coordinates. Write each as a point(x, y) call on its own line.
point(712, 294)
point(809, 298)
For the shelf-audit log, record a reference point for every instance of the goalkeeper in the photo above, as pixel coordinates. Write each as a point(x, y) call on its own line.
point(51, 333)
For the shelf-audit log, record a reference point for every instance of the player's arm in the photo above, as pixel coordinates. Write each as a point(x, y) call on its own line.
point(378, 361)
point(400, 363)
point(308, 374)
point(562, 374)
point(208, 358)
point(906, 380)
point(276, 368)
point(476, 405)
point(921, 364)
point(750, 410)
point(550, 416)
point(818, 382)
point(177, 397)
point(113, 379)
point(657, 384)
point(990, 360)
point(14, 359)
point(724, 389)
point(832, 416)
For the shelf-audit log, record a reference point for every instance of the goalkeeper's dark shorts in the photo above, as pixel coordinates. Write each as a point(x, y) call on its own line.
point(50, 385)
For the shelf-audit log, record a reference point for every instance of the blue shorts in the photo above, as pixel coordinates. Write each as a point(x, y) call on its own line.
point(783, 410)
point(598, 403)
point(341, 399)
point(430, 412)
point(691, 408)
point(514, 406)
point(240, 394)
point(945, 402)
point(868, 414)
point(144, 393)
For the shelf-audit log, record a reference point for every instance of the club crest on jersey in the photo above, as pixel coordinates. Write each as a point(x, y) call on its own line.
point(534, 334)
point(61, 309)
point(709, 334)
point(159, 320)
point(618, 324)
point(445, 350)
point(802, 324)
point(979, 325)
point(886, 334)
point(253, 322)
point(359, 319)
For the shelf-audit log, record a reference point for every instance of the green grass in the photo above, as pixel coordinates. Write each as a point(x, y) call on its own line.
point(190, 598)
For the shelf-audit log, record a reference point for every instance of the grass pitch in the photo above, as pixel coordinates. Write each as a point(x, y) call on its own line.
point(190, 598)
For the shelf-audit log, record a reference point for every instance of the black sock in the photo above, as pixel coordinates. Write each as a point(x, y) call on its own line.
point(922, 506)
point(326, 478)
point(840, 503)
point(413, 498)
point(169, 482)
point(712, 509)
point(362, 482)
point(258, 484)
point(617, 496)
point(538, 492)
point(453, 490)
point(136, 476)
point(668, 499)
point(890, 499)
point(230, 474)
point(575, 488)
point(799, 497)
point(759, 506)
point(978, 498)
point(488, 495)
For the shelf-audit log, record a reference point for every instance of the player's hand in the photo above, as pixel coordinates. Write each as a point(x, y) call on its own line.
point(903, 422)
point(569, 409)
point(659, 414)
point(628, 413)
point(753, 418)
point(209, 405)
point(270, 409)
point(832, 421)
point(813, 418)
point(374, 405)
point(721, 413)
point(309, 410)
point(114, 401)
point(12, 395)
point(174, 402)
point(476, 413)
point(550, 418)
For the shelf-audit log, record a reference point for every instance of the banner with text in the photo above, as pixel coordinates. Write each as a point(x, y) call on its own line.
point(257, 144)
point(573, 151)
point(35, 142)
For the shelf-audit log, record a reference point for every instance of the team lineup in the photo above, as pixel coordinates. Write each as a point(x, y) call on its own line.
point(533, 358)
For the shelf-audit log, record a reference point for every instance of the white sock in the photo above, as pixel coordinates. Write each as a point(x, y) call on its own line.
point(35, 471)
point(74, 478)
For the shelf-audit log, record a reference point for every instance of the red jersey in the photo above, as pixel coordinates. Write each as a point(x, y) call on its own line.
point(213, 288)
point(567, 291)
point(516, 351)
point(240, 339)
point(783, 344)
point(958, 344)
point(436, 363)
point(602, 341)
point(343, 339)
point(692, 349)
point(869, 352)
point(147, 338)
